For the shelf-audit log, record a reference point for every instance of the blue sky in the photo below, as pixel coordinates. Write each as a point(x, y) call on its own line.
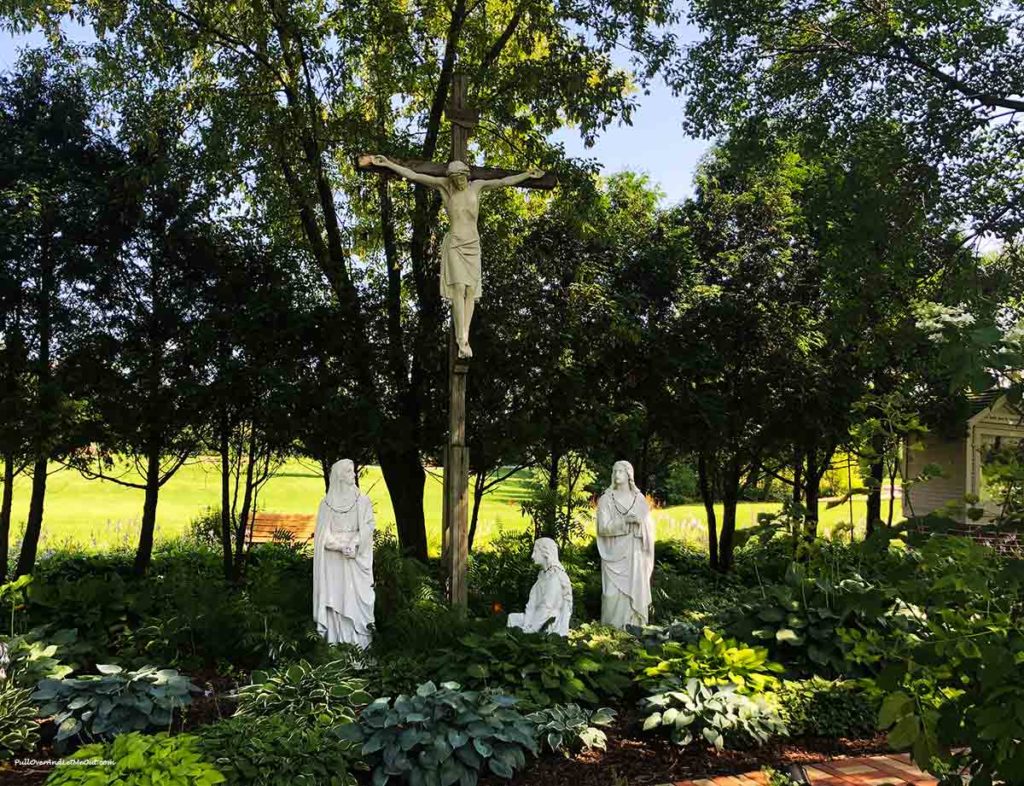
point(654, 144)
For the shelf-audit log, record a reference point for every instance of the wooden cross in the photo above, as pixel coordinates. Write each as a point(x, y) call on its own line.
point(455, 533)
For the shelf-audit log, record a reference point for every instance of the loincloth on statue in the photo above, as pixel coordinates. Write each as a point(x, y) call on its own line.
point(460, 265)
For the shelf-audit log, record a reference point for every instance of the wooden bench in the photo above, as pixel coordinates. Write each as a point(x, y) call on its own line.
point(264, 525)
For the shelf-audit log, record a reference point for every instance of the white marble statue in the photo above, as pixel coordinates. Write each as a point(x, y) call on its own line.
point(343, 595)
point(550, 597)
point(460, 252)
point(625, 540)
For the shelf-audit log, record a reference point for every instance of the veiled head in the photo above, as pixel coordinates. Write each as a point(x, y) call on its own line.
point(343, 473)
point(622, 475)
point(545, 552)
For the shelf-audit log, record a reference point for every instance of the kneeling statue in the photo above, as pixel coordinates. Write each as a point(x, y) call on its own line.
point(551, 596)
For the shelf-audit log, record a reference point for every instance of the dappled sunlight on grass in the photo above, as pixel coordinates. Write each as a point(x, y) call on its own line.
point(92, 514)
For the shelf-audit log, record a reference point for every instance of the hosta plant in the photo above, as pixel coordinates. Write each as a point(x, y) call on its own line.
point(277, 751)
point(720, 715)
point(539, 669)
point(567, 728)
point(31, 656)
point(113, 701)
point(324, 694)
point(19, 731)
point(139, 760)
point(713, 660)
point(442, 735)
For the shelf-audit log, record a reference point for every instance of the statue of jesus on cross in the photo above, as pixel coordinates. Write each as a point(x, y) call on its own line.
point(460, 252)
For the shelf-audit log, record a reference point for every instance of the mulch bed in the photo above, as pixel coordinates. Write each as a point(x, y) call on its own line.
point(633, 759)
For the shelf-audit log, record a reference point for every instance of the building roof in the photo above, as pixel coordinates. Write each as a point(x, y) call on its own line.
point(978, 402)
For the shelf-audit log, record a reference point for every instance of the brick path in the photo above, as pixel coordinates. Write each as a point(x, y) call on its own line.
point(868, 771)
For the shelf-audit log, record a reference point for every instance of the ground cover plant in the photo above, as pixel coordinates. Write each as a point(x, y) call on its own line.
point(442, 734)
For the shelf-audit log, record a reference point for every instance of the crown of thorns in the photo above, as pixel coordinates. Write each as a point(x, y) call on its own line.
point(458, 168)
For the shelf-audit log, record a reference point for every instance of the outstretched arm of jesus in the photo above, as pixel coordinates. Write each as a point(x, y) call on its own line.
point(410, 174)
point(511, 180)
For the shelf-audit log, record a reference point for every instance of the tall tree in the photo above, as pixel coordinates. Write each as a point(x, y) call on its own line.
point(948, 73)
point(146, 370)
point(293, 91)
point(55, 170)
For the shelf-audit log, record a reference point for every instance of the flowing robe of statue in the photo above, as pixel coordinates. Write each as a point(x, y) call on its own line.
point(550, 596)
point(343, 595)
point(627, 559)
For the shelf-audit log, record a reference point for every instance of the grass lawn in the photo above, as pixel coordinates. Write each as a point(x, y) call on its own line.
point(100, 514)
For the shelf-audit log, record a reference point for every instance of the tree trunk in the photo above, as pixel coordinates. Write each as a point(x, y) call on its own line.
point(730, 501)
point(405, 479)
point(478, 496)
point(45, 410)
point(34, 526)
point(708, 498)
point(242, 525)
point(798, 474)
point(877, 475)
point(728, 537)
point(6, 505)
point(225, 499)
point(811, 494)
point(144, 553)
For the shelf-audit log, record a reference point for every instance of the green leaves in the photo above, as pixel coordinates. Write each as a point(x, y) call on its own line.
point(719, 714)
point(280, 750)
point(442, 735)
point(539, 669)
point(19, 730)
point(712, 659)
point(140, 760)
point(329, 693)
point(114, 701)
point(567, 728)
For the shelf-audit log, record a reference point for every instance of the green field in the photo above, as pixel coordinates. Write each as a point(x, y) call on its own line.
point(100, 514)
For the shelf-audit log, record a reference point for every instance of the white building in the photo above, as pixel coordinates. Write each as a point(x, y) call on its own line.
point(993, 424)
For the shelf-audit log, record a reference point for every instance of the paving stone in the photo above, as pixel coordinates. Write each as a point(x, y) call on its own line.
point(856, 769)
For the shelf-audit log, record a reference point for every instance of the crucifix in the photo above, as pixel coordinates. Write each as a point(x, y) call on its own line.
point(460, 186)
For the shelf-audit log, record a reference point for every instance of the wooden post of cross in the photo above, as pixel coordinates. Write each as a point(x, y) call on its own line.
point(455, 532)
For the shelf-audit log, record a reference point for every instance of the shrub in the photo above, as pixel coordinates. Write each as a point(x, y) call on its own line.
point(140, 760)
point(798, 621)
point(277, 751)
point(822, 708)
point(114, 701)
point(540, 669)
point(952, 684)
point(325, 694)
point(30, 656)
point(442, 735)
point(713, 660)
point(566, 728)
point(19, 730)
point(720, 715)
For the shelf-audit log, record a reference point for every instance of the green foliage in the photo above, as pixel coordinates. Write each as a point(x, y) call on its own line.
point(539, 669)
point(720, 715)
point(562, 510)
point(799, 620)
point(30, 656)
point(277, 750)
point(140, 760)
point(325, 694)
point(503, 572)
point(19, 730)
point(824, 708)
point(955, 685)
point(190, 618)
point(442, 736)
point(567, 728)
point(712, 659)
point(113, 701)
